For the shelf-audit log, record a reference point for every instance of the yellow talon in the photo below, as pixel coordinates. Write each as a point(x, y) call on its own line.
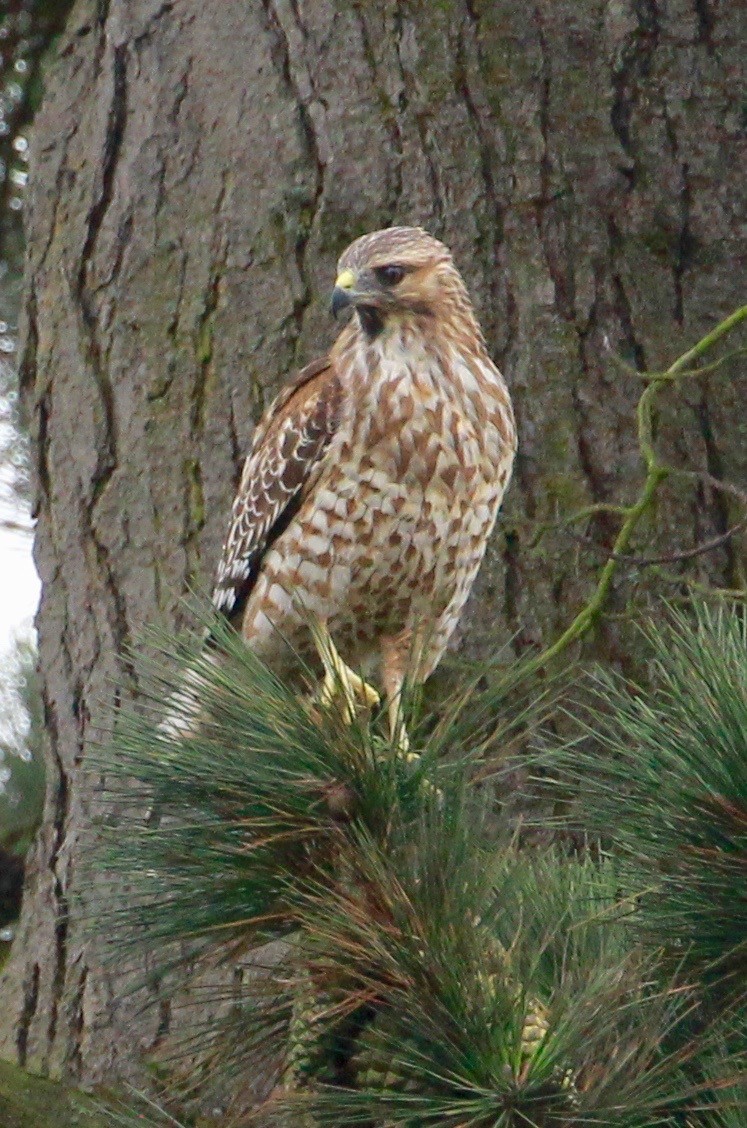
point(340, 680)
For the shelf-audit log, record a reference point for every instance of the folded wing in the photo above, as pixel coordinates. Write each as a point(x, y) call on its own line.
point(287, 457)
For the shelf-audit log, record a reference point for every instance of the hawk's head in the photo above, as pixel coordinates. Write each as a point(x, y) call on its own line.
point(394, 273)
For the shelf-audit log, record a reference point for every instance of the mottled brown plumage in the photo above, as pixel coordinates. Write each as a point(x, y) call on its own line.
point(375, 477)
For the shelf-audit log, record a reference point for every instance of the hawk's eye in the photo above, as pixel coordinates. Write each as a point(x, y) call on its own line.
point(389, 275)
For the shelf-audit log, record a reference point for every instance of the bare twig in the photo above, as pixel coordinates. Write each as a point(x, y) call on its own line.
point(710, 480)
point(12, 526)
point(733, 595)
point(668, 558)
point(656, 473)
point(597, 508)
point(691, 373)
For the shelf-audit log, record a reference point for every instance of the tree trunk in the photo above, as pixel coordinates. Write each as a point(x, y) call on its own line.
point(197, 168)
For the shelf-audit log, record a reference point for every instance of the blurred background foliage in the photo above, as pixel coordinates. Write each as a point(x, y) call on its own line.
point(21, 755)
point(22, 780)
point(28, 30)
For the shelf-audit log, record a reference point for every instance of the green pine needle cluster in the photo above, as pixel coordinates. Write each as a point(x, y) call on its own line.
point(661, 777)
point(399, 951)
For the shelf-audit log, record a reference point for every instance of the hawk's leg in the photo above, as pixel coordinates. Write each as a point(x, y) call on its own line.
point(394, 655)
point(339, 678)
point(397, 655)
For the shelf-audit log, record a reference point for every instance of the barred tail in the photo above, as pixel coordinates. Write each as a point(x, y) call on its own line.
point(184, 709)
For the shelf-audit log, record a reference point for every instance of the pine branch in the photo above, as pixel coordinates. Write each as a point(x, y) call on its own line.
point(661, 776)
point(431, 972)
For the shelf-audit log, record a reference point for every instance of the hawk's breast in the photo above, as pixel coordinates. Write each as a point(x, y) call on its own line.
point(410, 497)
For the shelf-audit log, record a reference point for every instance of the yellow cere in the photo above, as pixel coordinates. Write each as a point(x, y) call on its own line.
point(345, 280)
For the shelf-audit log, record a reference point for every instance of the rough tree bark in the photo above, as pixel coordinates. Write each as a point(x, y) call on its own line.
point(197, 168)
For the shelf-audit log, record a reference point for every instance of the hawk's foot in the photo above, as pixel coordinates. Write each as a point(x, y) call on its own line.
point(405, 754)
point(342, 682)
point(339, 680)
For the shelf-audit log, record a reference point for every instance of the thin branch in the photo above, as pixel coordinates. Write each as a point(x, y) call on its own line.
point(731, 594)
point(11, 526)
point(707, 342)
point(597, 508)
point(656, 473)
point(704, 370)
point(668, 558)
point(685, 554)
point(710, 480)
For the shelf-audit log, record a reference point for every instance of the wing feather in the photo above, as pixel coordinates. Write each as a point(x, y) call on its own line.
point(286, 458)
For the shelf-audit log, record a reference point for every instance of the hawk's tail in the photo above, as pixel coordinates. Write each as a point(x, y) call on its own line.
point(185, 707)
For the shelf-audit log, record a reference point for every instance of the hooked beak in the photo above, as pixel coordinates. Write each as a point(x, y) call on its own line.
point(343, 294)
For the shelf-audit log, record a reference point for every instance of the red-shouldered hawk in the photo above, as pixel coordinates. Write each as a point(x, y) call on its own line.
point(375, 478)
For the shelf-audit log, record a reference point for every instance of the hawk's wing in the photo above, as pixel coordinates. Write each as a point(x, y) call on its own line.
point(286, 457)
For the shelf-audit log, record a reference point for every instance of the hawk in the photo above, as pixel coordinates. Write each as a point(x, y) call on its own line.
point(374, 480)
